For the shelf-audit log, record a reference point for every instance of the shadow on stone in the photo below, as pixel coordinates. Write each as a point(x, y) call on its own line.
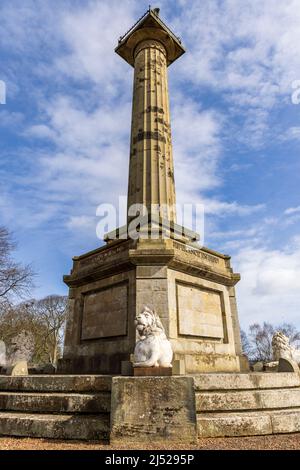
point(288, 365)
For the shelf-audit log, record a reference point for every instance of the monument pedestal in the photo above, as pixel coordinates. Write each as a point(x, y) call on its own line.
point(191, 289)
point(153, 409)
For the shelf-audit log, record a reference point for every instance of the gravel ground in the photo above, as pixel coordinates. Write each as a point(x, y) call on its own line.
point(279, 442)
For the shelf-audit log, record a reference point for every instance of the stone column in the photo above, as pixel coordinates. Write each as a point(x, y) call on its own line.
point(235, 321)
point(151, 173)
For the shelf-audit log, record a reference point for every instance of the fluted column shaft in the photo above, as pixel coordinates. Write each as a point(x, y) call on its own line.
point(151, 172)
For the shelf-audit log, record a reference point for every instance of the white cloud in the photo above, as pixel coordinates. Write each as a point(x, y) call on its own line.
point(91, 34)
point(82, 223)
point(293, 133)
point(251, 45)
point(292, 210)
point(40, 131)
point(249, 50)
point(270, 284)
point(221, 208)
point(198, 152)
point(250, 232)
point(196, 145)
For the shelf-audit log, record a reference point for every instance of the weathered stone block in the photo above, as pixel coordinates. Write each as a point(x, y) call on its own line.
point(233, 425)
point(245, 381)
point(248, 400)
point(244, 363)
point(105, 313)
point(54, 426)
point(286, 421)
point(200, 311)
point(126, 368)
point(178, 367)
point(56, 383)
point(258, 366)
point(157, 408)
point(55, 402)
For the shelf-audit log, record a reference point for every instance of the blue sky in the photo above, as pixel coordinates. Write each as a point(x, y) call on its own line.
point(64, 133)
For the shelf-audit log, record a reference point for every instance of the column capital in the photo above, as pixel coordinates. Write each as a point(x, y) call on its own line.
point(149, 27)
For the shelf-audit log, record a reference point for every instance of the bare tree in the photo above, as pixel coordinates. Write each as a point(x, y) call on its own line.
point(261, 341)
point(52, 311)
point(260, 337)
point(43, 319)
point(246, 346)
point(16, 279)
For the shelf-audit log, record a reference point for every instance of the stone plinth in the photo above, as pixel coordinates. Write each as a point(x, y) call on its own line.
point(191, 289)
point(156, 409)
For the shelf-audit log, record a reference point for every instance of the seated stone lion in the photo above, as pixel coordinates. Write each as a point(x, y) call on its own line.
point(282, 348)
point(153, 348)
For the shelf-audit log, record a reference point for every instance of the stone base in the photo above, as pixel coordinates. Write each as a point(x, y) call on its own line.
point(152, 371)
point(192, 290)
point(153, 409)
point(147, 409)
point(94, 364)
point(196, 363)
point(230, 405)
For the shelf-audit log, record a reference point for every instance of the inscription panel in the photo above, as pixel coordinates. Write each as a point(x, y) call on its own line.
point(198, 253)
point(107, 255)
point(200, 311)
point(105, 313)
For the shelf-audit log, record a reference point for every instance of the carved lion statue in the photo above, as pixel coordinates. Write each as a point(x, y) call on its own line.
point(153, 348)
point(282, 348)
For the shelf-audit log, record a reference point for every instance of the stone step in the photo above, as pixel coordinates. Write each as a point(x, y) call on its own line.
point(55, 402)
point(248, 423)
point(246, 381)
point(82, 427)
point(247, 400)
point(56, 383)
